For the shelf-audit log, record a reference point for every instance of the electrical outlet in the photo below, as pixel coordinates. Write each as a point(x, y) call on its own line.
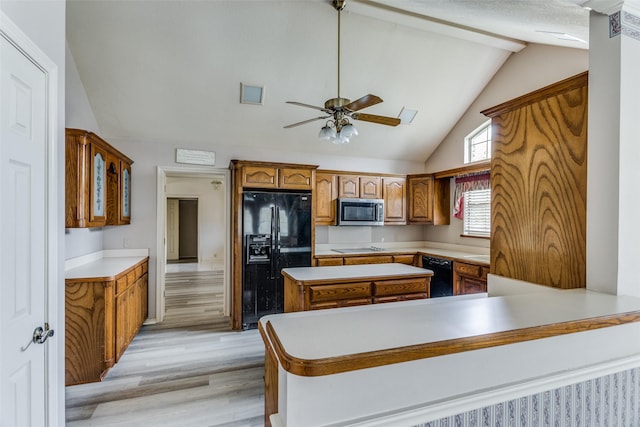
point(125, 243)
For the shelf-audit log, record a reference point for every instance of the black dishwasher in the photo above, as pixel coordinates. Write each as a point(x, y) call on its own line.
point(442, 279)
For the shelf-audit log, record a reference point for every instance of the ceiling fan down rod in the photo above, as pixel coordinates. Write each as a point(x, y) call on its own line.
point(339, 13)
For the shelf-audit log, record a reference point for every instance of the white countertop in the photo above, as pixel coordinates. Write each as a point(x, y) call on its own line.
point(348, 331)
point(308, 274)
point(103, 264)
point(452, 251)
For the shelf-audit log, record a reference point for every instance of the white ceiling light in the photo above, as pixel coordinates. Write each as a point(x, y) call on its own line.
point(407, 115)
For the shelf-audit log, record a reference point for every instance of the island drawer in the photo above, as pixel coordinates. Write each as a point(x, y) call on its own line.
point(340, 303)
point(341, 291)
point(396, 298)
point(399, 287)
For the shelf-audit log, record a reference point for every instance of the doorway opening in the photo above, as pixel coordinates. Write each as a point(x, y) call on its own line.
point(193, 268)
point(182, 230)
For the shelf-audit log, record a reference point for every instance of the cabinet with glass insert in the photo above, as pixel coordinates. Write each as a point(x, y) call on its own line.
point(98, 182)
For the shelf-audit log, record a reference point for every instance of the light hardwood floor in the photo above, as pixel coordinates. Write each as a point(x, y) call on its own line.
point(191, 370)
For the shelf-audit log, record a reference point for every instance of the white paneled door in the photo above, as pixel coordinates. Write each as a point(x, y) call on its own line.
point(23, 237)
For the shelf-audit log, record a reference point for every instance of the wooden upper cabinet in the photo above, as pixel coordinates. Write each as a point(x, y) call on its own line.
point(359, 187)
point(370, 187)
point(93, 181)
point(124, 209)
point(420, 199)
point(294, 178)
point(539, 185)
point(394, 194)
point(428, 200)
point(97, 185)
point(348, 186)
point(326, 195)
point(260, 176)
point(275, 175)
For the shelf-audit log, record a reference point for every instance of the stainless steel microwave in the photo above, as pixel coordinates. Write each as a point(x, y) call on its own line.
point(360, 212)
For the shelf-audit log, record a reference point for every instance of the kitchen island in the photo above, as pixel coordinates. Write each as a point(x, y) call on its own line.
point(412, 362)
point(313, 288)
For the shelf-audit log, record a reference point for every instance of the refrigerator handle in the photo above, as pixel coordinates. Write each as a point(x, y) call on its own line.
point(277, 228)
point(272, 274)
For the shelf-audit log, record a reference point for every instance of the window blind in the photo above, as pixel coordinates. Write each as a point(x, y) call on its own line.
point(477, 213)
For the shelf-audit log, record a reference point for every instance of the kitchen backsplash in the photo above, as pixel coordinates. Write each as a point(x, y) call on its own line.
point(372, 235)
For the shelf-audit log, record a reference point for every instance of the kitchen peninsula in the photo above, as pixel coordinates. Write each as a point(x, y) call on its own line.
point(412, 362)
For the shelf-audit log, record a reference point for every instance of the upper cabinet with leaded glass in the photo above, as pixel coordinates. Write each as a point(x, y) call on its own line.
point(125, 193)
point(98, 191)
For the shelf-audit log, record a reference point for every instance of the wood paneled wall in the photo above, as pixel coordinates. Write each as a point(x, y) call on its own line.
point(539, 185)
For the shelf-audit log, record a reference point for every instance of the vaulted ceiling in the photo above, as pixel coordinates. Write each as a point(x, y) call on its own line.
point(169, 72)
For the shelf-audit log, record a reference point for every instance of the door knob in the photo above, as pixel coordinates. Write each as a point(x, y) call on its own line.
point(40, 335)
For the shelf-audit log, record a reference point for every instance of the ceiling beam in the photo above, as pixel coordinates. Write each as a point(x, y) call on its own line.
point(398, 16)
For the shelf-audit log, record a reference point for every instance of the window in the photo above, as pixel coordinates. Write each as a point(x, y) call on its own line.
point(477, 145)
point(477, 213)
point(472, 198)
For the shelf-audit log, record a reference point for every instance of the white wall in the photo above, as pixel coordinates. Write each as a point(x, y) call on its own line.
point(79, 241)
point(533, 67)
point(44, 23)
point(211, 215)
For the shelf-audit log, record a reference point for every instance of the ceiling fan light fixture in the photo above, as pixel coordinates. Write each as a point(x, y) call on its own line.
point(340, 139)
point(327, 133)
point(349, 131)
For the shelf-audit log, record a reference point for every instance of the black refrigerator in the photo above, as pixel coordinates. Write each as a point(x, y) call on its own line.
point(276, 234)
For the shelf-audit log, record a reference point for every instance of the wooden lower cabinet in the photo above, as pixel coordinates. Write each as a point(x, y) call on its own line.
point(102, 317)
point(320, 296)
point(469, 278)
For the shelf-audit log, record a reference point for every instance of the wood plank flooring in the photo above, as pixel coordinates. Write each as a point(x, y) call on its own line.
point(191, 370)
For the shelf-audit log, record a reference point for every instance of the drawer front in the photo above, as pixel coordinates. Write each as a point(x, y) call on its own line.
point(404, 259)
point(467, 269)
point(132, 276)
point(485, 271)
point(121, 284)
point(323, 262)
point(343, 291)
point(414, 296)
point(380, 259)
point(399, 287)
point(341, 303)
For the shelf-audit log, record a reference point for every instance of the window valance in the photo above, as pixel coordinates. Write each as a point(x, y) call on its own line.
point(468, 182)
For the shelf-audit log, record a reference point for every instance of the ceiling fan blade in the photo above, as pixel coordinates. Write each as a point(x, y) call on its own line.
point(364, 102)
point(383, 120)
point(309, 106)
point(306, 121)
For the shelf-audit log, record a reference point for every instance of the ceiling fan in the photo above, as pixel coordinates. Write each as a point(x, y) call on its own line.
point(338, 128)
